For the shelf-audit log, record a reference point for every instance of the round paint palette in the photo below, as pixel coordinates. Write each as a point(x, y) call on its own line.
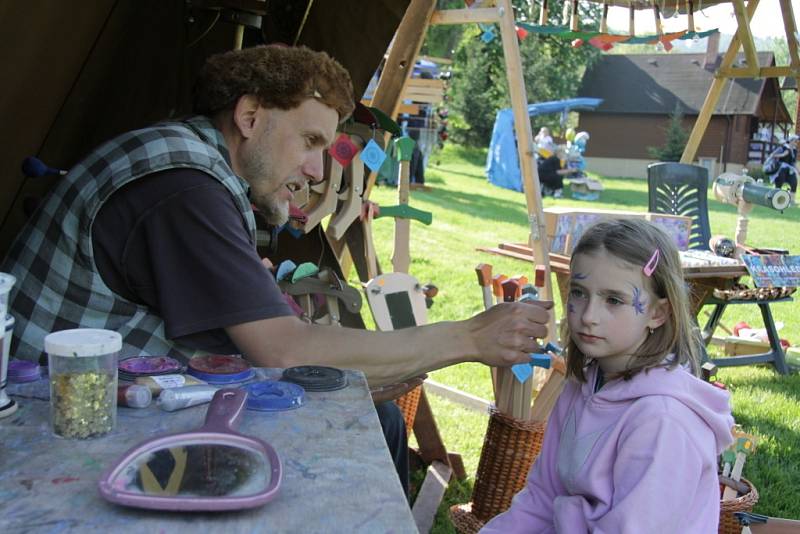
point(220, 369)
point(274, 396)
point(23, 371)
point(131, 368)
point(316, 377)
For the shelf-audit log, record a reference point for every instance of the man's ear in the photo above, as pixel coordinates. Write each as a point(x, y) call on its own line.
point(659, 313)
point(245, 115)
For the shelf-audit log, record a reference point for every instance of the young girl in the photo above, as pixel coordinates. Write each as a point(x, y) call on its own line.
point(632, 443)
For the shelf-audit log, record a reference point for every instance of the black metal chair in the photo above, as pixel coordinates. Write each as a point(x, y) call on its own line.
point(682, 189)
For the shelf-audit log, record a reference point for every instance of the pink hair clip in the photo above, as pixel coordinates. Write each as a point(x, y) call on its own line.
point(652, 263)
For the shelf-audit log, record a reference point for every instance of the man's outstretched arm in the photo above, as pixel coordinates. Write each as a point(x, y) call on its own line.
point(501, 336)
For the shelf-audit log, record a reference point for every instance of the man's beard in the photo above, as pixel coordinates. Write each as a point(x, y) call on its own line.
point(274, 211)
point(256, 170)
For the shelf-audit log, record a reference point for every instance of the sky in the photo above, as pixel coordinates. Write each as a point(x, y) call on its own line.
point(767, 21)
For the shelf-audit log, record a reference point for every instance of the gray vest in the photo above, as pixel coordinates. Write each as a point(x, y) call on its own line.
point(58, 285)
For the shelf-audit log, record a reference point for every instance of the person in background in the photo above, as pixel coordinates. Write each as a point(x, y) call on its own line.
point(544, 141)
point(632, 443)
point(551, 173)
point(153, 235)
point(784, 163)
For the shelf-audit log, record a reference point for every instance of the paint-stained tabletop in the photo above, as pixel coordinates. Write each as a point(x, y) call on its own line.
point(338, 475)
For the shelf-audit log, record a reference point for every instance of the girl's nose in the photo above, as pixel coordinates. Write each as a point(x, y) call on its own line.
point(589, 315)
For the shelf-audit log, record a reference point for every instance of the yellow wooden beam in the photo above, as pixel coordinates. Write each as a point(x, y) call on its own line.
point(791, 28)
point(466, 16)
point(425, 83)
point(400, 63)
point(714, 91)
point(744, 34)
point(763, 72)
point(525, 147)
point(440, 60)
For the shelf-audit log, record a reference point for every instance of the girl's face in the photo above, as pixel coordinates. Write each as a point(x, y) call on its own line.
point(611, 309)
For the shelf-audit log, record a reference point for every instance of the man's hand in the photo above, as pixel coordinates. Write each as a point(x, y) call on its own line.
point(507, 333)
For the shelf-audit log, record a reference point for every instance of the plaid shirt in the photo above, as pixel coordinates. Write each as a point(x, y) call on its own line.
point(58, 284)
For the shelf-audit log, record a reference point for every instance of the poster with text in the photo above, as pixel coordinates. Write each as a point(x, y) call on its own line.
point(773, 270)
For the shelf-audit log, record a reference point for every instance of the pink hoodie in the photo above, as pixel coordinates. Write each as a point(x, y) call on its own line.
point(638, 456)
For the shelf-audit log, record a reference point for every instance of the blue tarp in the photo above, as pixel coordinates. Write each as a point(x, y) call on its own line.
point(502, 162)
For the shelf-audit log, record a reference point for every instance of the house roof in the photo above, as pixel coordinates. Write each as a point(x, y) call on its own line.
point(655, 83)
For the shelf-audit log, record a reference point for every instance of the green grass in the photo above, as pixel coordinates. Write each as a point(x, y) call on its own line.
point(469, 212)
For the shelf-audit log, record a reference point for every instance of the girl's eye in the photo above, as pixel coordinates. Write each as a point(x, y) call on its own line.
point(576, 293)
point(614, 301)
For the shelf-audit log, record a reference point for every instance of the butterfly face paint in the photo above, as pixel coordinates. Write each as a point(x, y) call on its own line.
point(638, 304)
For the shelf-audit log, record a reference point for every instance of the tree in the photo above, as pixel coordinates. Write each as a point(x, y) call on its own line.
point(676, 137)
point(552, 70)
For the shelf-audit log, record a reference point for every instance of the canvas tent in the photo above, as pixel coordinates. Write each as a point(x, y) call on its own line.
point(502, 161)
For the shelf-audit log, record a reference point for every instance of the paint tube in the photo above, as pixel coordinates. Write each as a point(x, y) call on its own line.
point(172, 399)
point(158, 382)
point(133, 396)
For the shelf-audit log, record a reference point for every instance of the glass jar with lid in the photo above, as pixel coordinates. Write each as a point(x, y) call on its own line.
point(83, 381)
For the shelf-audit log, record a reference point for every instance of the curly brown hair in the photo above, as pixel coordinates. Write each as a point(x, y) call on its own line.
point(281, 77)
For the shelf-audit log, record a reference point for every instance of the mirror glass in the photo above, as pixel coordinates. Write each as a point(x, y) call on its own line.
point(196, 470)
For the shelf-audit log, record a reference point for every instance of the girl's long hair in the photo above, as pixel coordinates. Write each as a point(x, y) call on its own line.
point(634, 241)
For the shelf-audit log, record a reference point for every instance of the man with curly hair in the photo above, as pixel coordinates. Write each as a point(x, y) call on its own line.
point(153, 235)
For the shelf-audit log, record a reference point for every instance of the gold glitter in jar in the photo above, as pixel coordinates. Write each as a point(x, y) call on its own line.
point(83, 404)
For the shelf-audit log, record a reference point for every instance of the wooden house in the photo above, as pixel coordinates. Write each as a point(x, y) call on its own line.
point(641, 91)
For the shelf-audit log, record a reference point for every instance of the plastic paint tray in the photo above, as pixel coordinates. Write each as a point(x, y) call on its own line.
point(274, 396)
point(316, 377)
point(23, 371)
point(220, 369)
point(130, 368)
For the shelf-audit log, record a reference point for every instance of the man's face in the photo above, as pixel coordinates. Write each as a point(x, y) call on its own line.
point(284, 153)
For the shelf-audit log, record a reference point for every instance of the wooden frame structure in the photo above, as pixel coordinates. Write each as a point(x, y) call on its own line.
point(395, 79)
point(726, 71)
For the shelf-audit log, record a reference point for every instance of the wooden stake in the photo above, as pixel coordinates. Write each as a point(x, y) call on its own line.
point(631, 16)
point(690, 15)
point(574, 23)
point(543, 15)
point(604, 19)
point(497, 286)
point(484, 272)
point(657, 15)
point(369, 245)
point(401, 257)
point(547, 397)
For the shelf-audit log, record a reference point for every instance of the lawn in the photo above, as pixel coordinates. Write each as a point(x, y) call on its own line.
point(469, 212)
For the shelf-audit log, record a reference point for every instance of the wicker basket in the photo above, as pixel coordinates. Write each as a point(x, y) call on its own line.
point(743, 292)
point(509, 449)
point(728, 524)
point(408, 404)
